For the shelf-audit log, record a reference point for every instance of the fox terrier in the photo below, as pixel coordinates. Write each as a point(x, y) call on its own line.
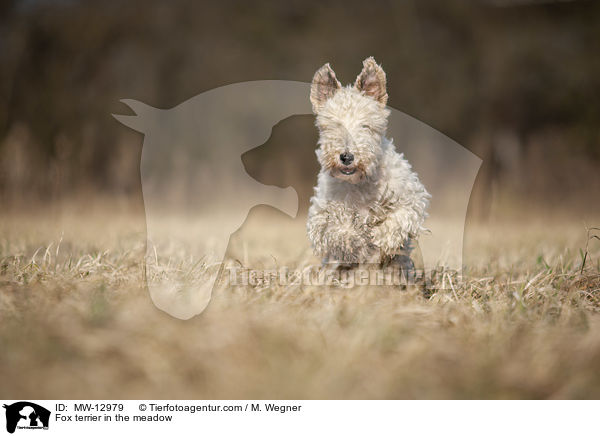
point(368, 205)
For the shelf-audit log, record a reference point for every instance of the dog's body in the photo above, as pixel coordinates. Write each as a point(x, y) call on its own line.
point(368, 204)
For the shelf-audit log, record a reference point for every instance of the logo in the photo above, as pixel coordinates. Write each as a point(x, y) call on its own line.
point(191, 167)
point(26, 415)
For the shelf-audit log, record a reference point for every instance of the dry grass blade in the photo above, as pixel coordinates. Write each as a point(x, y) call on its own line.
point(589, 238)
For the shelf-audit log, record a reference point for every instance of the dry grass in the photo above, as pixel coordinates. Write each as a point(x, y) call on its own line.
point(76, 321)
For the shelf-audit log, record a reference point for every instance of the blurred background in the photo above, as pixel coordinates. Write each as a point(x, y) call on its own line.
point(517, 82)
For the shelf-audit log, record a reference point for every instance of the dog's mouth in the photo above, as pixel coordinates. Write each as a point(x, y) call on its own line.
point(350, 174)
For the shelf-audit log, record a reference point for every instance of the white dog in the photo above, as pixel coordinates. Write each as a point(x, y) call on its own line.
point(368, 204)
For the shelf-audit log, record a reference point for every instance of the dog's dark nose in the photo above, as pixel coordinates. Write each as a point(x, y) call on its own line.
point(347, 158)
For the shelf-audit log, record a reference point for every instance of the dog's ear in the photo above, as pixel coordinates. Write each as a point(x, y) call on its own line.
point(324, 85)
point(371, 81)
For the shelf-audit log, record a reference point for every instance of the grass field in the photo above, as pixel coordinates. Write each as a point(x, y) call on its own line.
point(76, 320)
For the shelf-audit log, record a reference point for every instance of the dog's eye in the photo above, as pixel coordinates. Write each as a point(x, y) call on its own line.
point(366, 126)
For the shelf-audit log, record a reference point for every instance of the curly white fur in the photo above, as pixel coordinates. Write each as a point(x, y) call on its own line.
point(370, 209)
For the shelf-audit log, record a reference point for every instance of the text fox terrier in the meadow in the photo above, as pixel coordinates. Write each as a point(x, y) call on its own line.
point(368, 205)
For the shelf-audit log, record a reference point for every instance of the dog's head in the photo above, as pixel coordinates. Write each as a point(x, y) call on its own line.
point(351, 121)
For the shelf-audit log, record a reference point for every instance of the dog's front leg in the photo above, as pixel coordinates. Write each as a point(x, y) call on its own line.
point(393, 235)
point(339, 235)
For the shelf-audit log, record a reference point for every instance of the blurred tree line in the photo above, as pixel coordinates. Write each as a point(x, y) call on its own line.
point(515, 81)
